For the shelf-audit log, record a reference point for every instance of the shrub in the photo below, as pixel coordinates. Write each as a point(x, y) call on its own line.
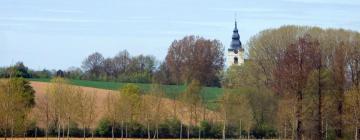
point(170, 128)
point(104, 128)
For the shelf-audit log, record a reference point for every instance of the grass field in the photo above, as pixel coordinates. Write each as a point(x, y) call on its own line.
point(210, 94)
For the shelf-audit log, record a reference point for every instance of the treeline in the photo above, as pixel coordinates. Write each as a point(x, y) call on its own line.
point(189, 58)
point(309, 81)
point(67, 111)
point(20, 70)
point(120, 68)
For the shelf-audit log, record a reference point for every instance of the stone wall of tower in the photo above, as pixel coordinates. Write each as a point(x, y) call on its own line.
point(230, 58)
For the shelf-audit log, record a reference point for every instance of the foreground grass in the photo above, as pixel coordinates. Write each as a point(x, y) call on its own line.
point(209, 94)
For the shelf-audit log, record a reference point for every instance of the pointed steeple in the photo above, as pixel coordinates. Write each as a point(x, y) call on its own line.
point(235, 43)
point(235, 29)
point(235, 24)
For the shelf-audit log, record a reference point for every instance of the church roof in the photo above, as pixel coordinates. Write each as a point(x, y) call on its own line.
point(235, 43)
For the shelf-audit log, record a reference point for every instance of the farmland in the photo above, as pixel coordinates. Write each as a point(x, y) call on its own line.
point(209, 94)
point(101, 95)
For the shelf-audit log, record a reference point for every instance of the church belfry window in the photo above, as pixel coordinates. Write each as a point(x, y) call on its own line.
point(236, 61)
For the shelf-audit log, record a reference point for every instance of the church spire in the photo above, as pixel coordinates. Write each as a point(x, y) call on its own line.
point(235, 24)
point(235, 42)
point(235, 20)
point(235, 54)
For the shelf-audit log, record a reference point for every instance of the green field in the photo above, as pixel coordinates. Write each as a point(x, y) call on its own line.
point(209, 94)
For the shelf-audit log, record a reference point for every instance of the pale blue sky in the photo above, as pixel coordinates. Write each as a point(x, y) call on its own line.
point(57, 34)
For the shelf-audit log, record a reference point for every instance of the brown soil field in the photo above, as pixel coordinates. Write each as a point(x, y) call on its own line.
point(168, 107)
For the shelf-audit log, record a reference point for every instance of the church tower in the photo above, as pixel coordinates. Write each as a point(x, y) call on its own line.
point(235, 54)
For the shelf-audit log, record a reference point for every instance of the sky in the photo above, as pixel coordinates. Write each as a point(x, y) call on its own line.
point(58, 34)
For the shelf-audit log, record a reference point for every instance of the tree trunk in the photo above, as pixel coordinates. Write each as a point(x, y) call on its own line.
point(5, 135)
point(285, 131)
point(248, 134)
point(126, 131)
point(157, 131)
point(340, 110)
point(188, 132)
point(326, 130)
point(12, 129)
point(356, 132)
point(320, 132)
point(299, 128)
point(47, 121)
point(148, 130)
point(356, 125)
point(112, 131)
point(68, 129)
point(240, 130)
point(154, 137)
point(59, 129)
point(223, 130)
point(188, 128)
point(84, 131)
point(35, 132)
point(294, 124)
point(181, 128)
point(122, 129)
point(63, 134)
point(199, 132)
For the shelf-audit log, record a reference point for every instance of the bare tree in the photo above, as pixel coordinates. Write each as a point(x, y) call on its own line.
point(17, 98)
point(192, 98)
point(86, 103)
point(130, 105)
point(122, 61)
point(93, 64)
point(352, 107)
point(44, 113)
point(112, 110)
point(152, 109)
point(235, 107)
point(195, 58)
point(292, 72)
point(62, 102)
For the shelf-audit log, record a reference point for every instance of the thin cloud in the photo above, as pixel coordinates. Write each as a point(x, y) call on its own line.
point(66, 11)
point(12, 24)
point(202, 23)
point(177, 33)
point(47, 19)
point(141, 18)
point(248, 10)
point(331, 2)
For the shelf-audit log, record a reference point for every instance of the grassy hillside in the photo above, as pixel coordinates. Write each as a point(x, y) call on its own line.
point(210, 94)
